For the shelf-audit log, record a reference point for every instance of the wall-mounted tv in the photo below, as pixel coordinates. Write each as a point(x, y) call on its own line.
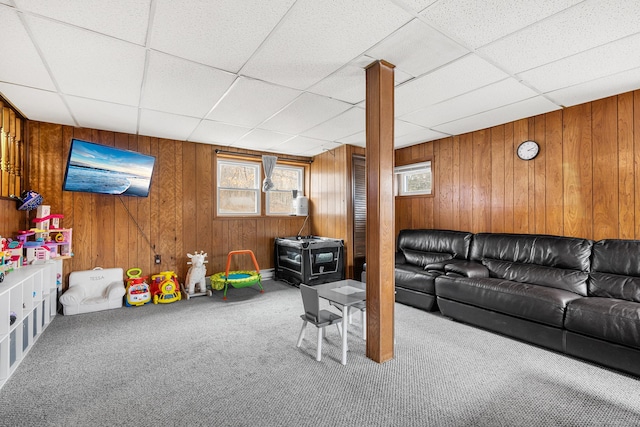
point(95, 168)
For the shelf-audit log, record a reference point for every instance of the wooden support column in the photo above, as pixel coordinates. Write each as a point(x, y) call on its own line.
point(380, 212)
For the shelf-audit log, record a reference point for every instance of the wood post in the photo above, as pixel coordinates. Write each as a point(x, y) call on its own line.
point(380, 211)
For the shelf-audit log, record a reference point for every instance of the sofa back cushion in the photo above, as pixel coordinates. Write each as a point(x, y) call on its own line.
point(615, 271)
point(554, 261)
point(425, 246)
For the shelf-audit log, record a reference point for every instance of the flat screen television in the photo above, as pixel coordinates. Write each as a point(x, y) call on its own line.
point(95, 168)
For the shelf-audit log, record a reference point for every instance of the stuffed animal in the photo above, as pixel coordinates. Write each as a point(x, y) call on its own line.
point(196, 273)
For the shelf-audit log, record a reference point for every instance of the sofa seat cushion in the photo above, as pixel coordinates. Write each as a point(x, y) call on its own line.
point(531, 302)
point(415, 278)
point(609, 319)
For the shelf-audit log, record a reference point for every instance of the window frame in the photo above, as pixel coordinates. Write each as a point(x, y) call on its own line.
point(401, 173)
point(257, 190)
point(300, 189)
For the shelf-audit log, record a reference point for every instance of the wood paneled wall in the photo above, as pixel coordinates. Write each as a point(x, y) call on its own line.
point(584, 183)
point(331, 203)
point(177, 218)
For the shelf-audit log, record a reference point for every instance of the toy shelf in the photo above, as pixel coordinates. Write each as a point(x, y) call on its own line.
point(30, 294)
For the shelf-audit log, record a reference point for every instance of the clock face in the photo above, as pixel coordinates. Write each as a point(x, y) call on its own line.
point(528, 150)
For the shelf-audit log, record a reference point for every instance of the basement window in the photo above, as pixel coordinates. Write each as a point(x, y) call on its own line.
point(238, 188)
point(286, 179)
point(414, 179)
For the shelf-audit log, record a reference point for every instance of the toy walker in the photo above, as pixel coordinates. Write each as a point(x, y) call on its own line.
point(237, 279)
point(138, 292)
point(165, 288)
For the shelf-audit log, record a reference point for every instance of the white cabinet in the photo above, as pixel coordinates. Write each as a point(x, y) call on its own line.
point(29, 295)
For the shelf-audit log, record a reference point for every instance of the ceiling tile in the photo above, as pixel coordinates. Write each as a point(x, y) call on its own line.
point(527, 108)
point(328, 146)
point(359, 139)
point(347, 84)
point(347, 123)
point(463, 75)
point(415, 5)
point(211, 132)
point(165, 125)
point(317, 37)
point(25, 66)
point(417, 49)
point(478, 23)
point(417, 137)
point(597, 89)
point(584, 26)
point(36, 104)
point(249, 102)
point(122, 19)
point(166, 88)
point(401, 128)
point(259, 139)
point(223, 34)
point(103, 115)
point(91, 65)
point(300, 145)
point(489, 97)
point(611, 58)
point(307, 111)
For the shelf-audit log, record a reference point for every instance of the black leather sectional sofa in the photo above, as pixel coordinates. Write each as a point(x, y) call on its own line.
point(571, 295)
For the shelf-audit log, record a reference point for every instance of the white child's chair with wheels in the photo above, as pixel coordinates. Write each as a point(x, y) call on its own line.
point(93, 290)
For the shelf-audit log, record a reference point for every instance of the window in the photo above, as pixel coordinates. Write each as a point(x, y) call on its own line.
point(414, 179)
point(238, 188)
point(286, 179)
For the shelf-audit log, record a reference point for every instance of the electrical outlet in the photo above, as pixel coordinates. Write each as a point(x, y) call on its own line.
point(158, 259)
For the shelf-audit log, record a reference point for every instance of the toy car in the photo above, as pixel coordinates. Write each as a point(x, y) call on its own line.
point(165, 288)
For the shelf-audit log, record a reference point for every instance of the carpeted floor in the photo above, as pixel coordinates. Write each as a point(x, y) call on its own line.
point(212, 363)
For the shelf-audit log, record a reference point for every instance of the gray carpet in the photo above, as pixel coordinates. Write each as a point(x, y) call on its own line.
point(213, 363)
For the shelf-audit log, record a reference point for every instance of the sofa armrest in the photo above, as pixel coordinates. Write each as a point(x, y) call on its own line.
point(466, 269)
point(73, 295)
point(115, 290)
point(400, 259)
point(439, 267)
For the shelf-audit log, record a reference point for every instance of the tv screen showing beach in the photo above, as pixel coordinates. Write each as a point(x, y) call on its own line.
point(95, 168)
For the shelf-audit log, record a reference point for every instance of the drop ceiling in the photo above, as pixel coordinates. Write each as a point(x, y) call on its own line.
point(287, 76)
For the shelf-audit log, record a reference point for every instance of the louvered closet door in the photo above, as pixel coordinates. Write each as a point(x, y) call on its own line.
point(359, 180)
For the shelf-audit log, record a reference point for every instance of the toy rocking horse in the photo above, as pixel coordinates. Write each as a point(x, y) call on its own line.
point(196, 276)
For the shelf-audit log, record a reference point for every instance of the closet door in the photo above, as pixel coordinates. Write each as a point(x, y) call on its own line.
point(359, 194)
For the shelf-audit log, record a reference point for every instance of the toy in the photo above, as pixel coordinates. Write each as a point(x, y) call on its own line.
point(196, 276)
point(237, 279)
point(138, 292)
point(165, 287)
point(12, 318)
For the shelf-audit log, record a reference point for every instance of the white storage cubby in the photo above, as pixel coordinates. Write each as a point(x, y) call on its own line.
point(31, 293)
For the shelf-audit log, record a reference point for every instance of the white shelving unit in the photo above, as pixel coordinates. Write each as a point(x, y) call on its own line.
point(31, 293)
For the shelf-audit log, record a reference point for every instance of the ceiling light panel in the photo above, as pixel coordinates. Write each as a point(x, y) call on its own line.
point(21, 62)
point(217, 133)
point(249, 102)
point(417, 49)
point(259, 139)
point(487, 98)
point(597, 89)
point(103, 115)
point(165, 125)
point(478, 23)
point(584, 26)
point(36, 104)
point(223, 34)
point(90, 65)
point(307, 111)
point(347, 123)
point(122, 19)
point(318, 37)
point(463, 75)
point(166, 88)
point(527, 108)
point(611, 58)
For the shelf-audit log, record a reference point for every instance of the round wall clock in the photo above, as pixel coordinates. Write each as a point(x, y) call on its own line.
point(528, 150)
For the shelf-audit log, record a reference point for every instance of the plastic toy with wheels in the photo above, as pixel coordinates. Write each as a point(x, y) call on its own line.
point(138, 292)
point(237, 279)
point(165, 287)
